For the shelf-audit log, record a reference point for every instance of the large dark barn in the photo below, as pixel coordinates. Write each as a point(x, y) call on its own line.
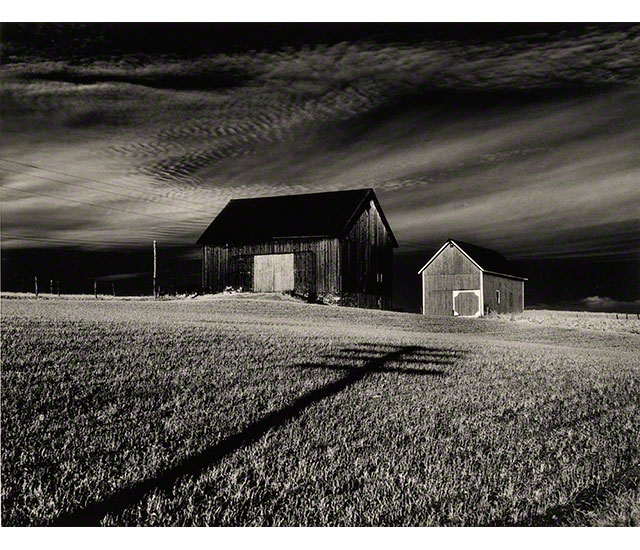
point(336, 245)
point(468, 280)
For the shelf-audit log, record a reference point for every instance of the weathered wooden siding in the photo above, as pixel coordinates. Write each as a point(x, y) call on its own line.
point(365, 300)
point(367, 262)
point(367, 276)
point(366, 268)
point(451, 262)
point(305, 267)
point(316, 264)
point(450, 270)
point(459, 281)
point(369, 228)
point(242, 271)
point(511, 294)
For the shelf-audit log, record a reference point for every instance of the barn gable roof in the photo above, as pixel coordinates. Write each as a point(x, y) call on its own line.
point(328, 214)
point(485, 259)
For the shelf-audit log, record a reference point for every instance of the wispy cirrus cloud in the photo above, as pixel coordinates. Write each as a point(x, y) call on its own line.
point(512, 143)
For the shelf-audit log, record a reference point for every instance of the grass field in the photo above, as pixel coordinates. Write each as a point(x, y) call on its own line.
point(235, 411)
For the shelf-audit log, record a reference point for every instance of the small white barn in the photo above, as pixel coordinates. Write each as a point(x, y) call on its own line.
point(468, 280)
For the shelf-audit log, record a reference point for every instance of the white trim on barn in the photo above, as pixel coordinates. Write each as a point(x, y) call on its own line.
point(481, 293)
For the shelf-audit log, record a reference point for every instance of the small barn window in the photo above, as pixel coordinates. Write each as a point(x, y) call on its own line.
point(497, 296)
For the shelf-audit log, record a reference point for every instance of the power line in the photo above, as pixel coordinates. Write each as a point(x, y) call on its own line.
point(70, 241)
point(416, 244)
point(65, 241)
point(94, 205)
point(101, 243)
point(102, 190)
point(128, 187)
point(145, 235)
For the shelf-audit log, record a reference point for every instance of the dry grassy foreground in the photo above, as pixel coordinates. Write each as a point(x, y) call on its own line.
point(252, 412)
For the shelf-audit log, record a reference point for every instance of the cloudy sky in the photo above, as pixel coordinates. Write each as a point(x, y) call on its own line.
point(522, 138)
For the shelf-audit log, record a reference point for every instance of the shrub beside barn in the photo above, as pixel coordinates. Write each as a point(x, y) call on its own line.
point(336, 245)
point(468, 280)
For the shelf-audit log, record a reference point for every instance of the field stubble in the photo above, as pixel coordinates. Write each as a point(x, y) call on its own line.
point(250, 412)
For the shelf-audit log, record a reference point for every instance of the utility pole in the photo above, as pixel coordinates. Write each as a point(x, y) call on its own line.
point(155, 290)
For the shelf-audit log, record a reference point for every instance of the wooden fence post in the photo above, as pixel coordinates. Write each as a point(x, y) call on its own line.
point(95, 288)
point(113, 288)
point(58, 285)
point(50, 286)
point(35, 279)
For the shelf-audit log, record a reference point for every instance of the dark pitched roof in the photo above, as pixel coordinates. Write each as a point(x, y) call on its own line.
point(327, 214)
point(488, 260)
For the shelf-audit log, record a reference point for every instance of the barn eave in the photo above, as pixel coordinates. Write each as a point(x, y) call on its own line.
point(504, 275)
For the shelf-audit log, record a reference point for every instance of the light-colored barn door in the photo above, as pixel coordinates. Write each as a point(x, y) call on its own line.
point(273, 273)
point(466, 303)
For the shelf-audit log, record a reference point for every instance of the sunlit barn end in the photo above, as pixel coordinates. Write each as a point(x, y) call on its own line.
point(335, 245)
point(468, 280)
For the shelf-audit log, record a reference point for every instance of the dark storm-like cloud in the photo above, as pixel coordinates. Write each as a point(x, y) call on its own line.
point(374, 72)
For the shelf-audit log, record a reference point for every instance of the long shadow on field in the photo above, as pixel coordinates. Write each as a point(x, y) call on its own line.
point(375, 358)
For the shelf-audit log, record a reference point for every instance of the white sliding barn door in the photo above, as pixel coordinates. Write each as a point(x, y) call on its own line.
point(273, 273)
